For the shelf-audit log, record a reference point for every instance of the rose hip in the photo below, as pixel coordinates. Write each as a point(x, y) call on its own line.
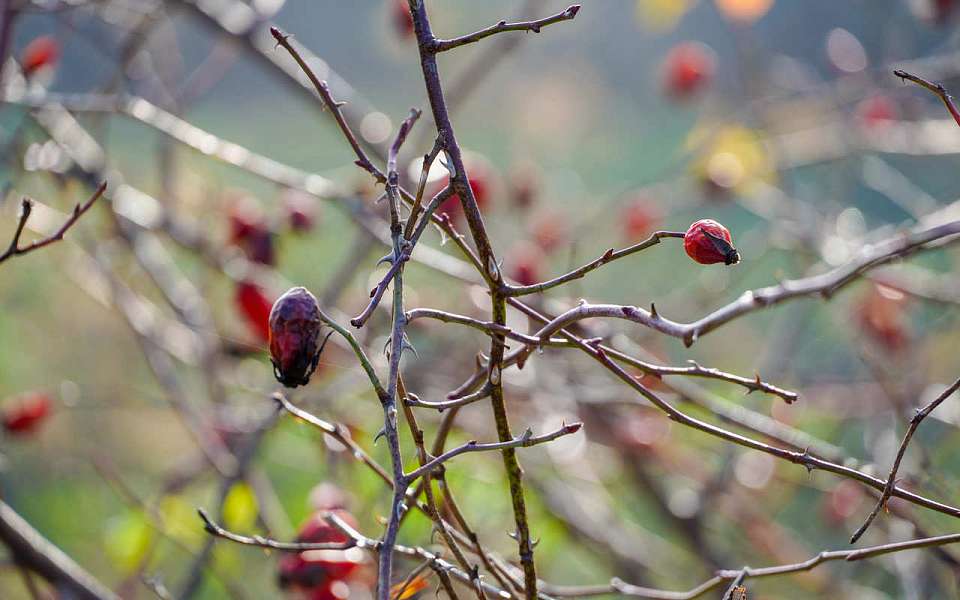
point(708, 242)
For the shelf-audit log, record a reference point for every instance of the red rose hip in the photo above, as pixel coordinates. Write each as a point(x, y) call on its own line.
point(295, 326)
point(708, 242)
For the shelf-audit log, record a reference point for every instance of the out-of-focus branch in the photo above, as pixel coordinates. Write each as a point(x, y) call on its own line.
point(936, 88)
point(32, 550)
point(440, 45)
point(26, 207)
point(918, 417)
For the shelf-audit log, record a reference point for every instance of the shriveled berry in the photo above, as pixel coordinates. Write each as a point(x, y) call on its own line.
point(254, 305)
point(295, 326)
point(43, 51)
point(708, 242)
point(23, 414)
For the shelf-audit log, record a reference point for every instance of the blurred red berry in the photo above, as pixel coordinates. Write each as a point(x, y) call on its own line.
point(526, 262)
point(24, 414)
point(877, 111)
point(480, 175)
point(881, 314)
point(708, 242)
point(402, 18)
point(687, 70)
point(524, 186)
point(250, 231)
point(300, 210)
point(294, 336)
point(254, 305)
point(842, 502)
point(639, 219)
point(314, 571)
point(549, 231)
point(40, 53)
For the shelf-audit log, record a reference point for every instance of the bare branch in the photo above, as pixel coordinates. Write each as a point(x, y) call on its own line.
point(216, 530)
point(26, 208)
point(534, 26)
point(332, 105)
point(936, 88)
point(919, 416)
point(825, 285)
point(607, 257)
point(525, 440)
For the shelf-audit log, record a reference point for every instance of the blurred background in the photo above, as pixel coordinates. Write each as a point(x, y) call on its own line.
point(133, 358)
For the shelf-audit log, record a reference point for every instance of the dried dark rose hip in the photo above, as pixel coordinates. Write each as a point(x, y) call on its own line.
point(295, 326)
point(708, 242)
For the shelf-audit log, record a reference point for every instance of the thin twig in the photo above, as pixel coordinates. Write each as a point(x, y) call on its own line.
point(626, 589)
point(919, 416)
point(26, 207)
point(534, 26)
point(216, 530)
point(936, 88)
point(525, 440)
point(363, 161)
point(607, 257)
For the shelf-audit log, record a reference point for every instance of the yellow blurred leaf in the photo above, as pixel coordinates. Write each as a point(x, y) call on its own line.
point(127, 539)
point(732, 157)
point(662, 15)
point(744, 11)
point(240, 507)
point(180, 520)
